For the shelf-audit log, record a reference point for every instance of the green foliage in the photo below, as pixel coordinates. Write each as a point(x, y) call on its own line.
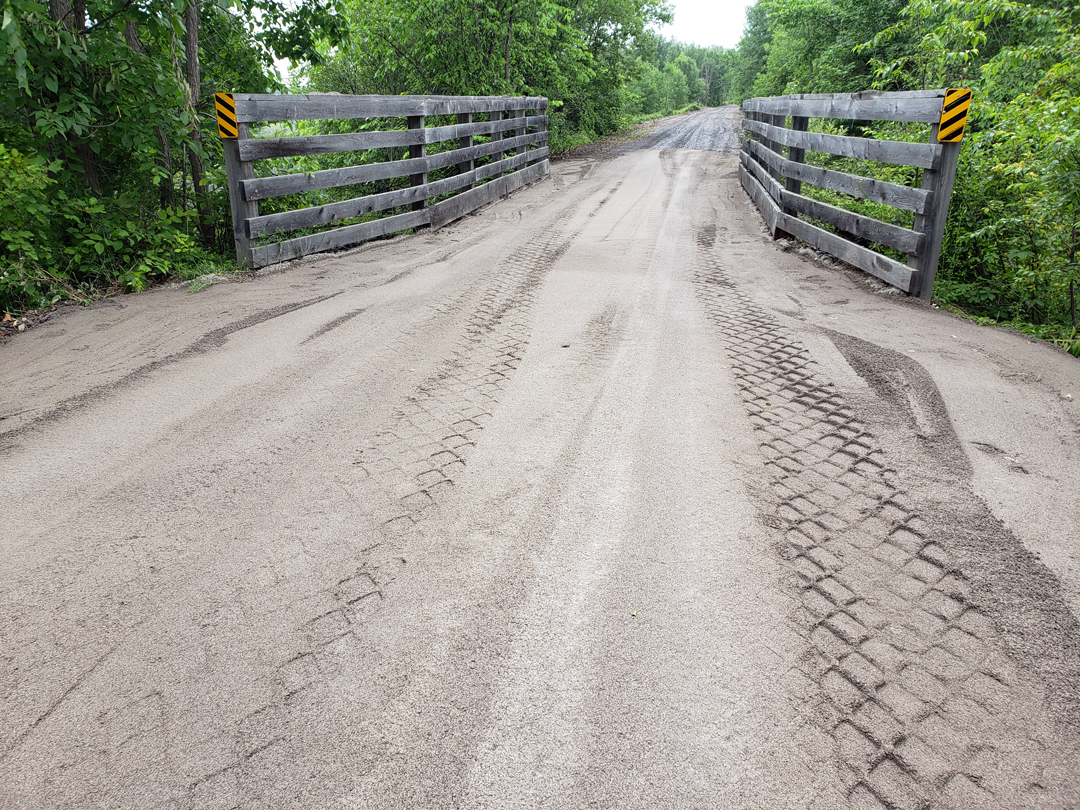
point(100, 134)
point(597, 60)
point(119, 241)
point(807, 46)
point(24, 206)
point(1011, 242)
point(25, 216)
point(1010, 249)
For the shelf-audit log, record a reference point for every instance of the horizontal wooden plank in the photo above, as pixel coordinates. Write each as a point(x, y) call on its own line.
point(335, 212)
point(901, 153)
point(896, 274)
point(448, 133)
point(769, 209)
point(898, 94)
point(337, 238)
point(345, 209)
point(510, 163)
point(262, 187)
point(870, 105)
point(263, 148)
point(252, 107)
point(460, 205)
point(768, 182)
point(893, 194)
point(874, 230)
point(883, 233)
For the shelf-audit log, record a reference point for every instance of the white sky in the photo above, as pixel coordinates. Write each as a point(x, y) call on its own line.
point(708, 22)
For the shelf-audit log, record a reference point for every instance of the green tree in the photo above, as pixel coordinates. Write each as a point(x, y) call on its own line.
point(112, 97)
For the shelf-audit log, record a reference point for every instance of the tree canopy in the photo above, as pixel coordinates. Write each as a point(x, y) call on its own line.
point(111, 174)
point(1010, 253)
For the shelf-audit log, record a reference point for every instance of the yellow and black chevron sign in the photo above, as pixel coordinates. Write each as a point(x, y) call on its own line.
point(226, 115)
point(954, 113)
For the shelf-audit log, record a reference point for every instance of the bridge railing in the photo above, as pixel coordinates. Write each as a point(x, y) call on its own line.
point(513, 154)
point(774, 179)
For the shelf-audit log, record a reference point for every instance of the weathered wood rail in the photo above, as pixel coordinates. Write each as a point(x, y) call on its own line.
point(497, 145)
point(774, 180)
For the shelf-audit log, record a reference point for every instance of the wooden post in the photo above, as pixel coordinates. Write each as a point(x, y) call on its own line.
point(778, 148)
point(796, 155)
point(775, 233)
point(242, 210)
point(417, 151)
point(754, 116)
point(542, 127)
point(764, 119)
point(776, 121)
point(932, 223)
point(745, 145)
point(464, 143)
point(496, 115)
point(520, 130)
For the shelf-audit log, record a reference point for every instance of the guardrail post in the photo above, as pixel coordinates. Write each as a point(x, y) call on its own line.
point(754, 116)
point(796, 154)
point(417, 151)
point(496, 115)
point(932, 223)
point(543, 127)
point(464, 143)
point(520, 130)
point(799, 123)
point(237, 170)
point(776, 121)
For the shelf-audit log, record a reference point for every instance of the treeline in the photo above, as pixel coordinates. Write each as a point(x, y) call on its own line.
point(110, 166)
point(600, 62)
point(1010, 252)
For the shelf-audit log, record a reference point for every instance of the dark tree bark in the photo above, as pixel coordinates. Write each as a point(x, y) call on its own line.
point(62, 12)
point(1072, 264)
point(73, 18)
point(166, 190)
point(509, 37)
point(194, 80)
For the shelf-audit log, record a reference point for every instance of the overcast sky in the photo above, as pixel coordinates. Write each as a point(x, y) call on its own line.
point(708, 22)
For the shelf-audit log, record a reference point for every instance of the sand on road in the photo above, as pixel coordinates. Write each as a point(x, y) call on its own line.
point(597, 498)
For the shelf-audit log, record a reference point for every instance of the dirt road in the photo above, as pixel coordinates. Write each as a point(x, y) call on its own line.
point(598, 498)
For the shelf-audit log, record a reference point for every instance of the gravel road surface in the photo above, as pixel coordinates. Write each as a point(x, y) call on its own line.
point(596, 498)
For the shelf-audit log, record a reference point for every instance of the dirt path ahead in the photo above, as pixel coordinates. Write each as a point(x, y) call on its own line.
point(597, 498)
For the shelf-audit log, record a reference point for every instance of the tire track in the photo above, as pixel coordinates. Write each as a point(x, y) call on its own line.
point(403, 472)
point(903, 670)
point(427, 441)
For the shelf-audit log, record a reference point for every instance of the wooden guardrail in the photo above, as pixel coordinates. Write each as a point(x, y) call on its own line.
point(774, 180)
point(513, 154)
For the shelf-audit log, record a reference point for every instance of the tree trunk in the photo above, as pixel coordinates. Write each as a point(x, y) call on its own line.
point(1072, 303)
point(509, 37)
point(166, 191)
point(73, 18)
point(1072, 267)
point(62, 12)
point(194, 80)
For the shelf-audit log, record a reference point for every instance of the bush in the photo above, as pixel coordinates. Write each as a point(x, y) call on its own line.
point(55, 247)
point(25, 247)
